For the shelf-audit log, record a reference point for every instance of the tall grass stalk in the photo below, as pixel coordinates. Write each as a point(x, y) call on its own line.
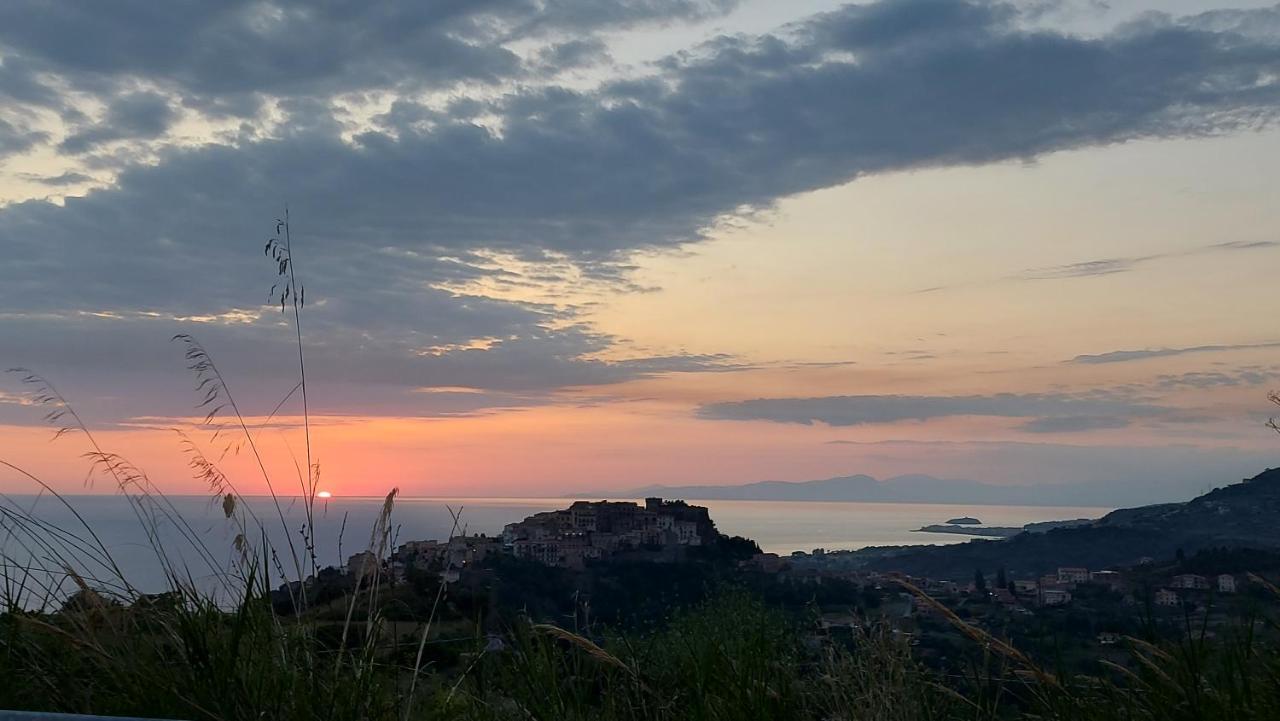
point(294, 295)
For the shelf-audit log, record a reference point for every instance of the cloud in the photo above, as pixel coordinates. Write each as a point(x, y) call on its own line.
point(1113, 266)
point(293, 47)
point(1085, 269)
point(63, 179)
point(1110, 266)
point(739, 123)
point(571, 53)
point(239, 59)
point(16, 138)
point(1125, 356)
point(1248, 376)
point(135, 116)
point(394, 215)
point(511, 355)
point(864, 410)
point(1073, 424)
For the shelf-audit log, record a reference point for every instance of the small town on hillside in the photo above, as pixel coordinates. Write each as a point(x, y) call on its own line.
point(590, 535)
point(660, 530)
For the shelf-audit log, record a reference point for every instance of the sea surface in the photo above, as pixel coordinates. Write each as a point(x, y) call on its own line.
point(195, 533)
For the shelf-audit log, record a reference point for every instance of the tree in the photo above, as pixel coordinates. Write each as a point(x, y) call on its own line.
point(1002, 578)
point(979, 581)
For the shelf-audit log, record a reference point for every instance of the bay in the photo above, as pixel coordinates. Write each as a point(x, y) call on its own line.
point(195, 534)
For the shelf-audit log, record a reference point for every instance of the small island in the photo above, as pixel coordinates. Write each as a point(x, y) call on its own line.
point(989, 531)
point(971, 527)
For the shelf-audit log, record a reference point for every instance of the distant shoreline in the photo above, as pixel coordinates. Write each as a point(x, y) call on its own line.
point(594, 497)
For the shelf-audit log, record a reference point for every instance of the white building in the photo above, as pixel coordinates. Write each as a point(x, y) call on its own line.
point(1190, 581)
point(1165, 597)
point(1055, 597)
point(1025, 587)
point(1073, 575)
point(1226, 583)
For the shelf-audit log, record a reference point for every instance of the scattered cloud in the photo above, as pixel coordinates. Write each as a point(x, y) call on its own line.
point(57, 181)
point(1085, 269)
point(1112, 266)
point(17, 399)
point(1248, 376)
point(1124, 356)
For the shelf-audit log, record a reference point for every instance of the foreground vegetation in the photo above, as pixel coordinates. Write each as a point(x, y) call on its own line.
point(731, 657)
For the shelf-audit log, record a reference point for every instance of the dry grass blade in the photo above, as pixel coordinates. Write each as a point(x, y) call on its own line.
point(982, 636)
point(1147, 655)
point(1122, 670)
point(585, 644)
point(1264, 583)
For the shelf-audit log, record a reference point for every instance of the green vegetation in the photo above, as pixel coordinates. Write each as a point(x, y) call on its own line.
point(730, 657)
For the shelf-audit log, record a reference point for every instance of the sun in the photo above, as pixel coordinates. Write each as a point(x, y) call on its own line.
point(324, 494)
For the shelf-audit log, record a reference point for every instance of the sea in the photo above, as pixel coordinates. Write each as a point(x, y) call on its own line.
point(198, 538)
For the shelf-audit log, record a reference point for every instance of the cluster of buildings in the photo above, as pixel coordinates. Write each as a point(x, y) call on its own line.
point(1223, 583)
point(1054, 589)
point(446, 557)
point(662, 530)
point(569, 538)
point(595, 530)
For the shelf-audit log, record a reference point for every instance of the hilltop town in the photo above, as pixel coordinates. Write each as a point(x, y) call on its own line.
point(660, 531)
point(615, 555)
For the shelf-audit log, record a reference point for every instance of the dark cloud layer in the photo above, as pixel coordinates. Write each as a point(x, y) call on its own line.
point(141, 116)
point(1074, 424)
point(864, 410)
point(17, 138)
point(424, 198)
point(209, 50)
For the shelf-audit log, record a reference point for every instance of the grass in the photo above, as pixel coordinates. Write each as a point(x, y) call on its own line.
point(76, 635)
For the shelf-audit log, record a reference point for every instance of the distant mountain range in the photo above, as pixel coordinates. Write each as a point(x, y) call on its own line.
point(1242, 515)
point(915, 488)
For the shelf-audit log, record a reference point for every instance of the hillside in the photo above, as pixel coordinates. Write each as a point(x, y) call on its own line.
point(1240, 515)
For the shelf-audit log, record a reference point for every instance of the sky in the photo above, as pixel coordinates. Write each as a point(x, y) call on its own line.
point(552, 246)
